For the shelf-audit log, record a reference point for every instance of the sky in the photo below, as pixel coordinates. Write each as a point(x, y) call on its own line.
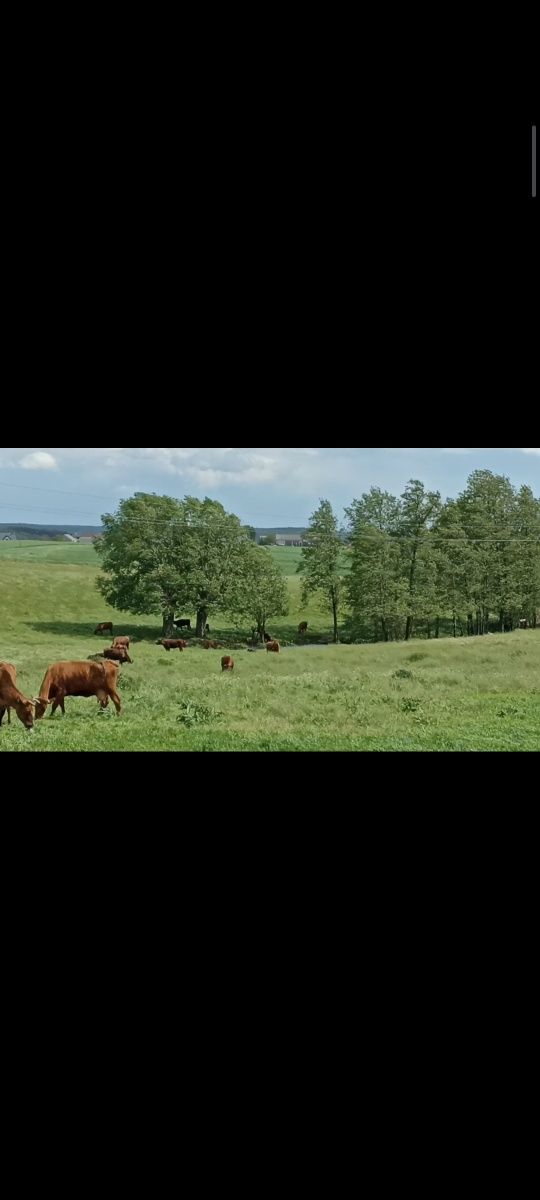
point(265, 486)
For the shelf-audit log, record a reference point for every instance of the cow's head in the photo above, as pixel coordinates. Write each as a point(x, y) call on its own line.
point(40, 707)
point(25, 710)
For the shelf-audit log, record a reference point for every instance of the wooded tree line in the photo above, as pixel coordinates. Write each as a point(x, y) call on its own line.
point(411, 565)
point(418, 562)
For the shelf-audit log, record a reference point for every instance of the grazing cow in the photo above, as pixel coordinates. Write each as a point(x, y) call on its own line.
point(11, 697)
point(227, 663)
point(273, 648)
point(122, 641)
point(182, 624)
point(303, 627)
point(78, 679)
point(172, 644)
point(268, 637)
point(117, 654)
point(107, 627)
point(210, 645)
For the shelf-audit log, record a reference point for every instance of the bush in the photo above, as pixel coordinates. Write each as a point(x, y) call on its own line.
point(196, 714)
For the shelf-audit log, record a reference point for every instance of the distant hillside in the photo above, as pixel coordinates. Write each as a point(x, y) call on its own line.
point(33, 533)
point(36, 533)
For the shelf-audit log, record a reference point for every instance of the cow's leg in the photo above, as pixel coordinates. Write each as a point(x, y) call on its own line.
point(117, 702)
point(58, 702)
point(2, 711)
point(103, 699)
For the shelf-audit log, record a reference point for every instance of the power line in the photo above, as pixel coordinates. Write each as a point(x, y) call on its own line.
point(114, 499)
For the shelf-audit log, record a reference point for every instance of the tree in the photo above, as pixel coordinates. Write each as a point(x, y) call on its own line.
point(418, 511)
point(261, 591)
point(487, 511)
point(455, 567)
point(160, 555)
point(527, 564)
point(321, 561)
point(269, 539)
point(377, 591)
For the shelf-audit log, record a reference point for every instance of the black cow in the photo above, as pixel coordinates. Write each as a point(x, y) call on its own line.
point(182, 624)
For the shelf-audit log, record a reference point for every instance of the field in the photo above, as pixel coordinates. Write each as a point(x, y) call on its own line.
point(477, 694)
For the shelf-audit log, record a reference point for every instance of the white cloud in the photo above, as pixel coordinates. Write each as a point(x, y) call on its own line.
point(38, 460)
point(300, 470)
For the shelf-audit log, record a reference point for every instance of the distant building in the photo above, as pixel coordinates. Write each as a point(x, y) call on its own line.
point(290, 539)
point(86, 540)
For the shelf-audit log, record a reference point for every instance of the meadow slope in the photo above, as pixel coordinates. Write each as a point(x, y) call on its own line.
point(477, 694)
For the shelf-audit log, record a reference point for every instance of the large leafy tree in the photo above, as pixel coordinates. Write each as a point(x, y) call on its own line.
point(261, 591)
point(321, 564)
point(161, 555)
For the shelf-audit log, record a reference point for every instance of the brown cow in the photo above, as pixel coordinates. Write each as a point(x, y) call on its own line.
point(303, 627)
point(78, 679)
point(121, 641)
point(117, 654)
point(107, 627)
point(11, 697)
point(227, 663)
point(172, 644)
point(273, 648)
point(210, 645)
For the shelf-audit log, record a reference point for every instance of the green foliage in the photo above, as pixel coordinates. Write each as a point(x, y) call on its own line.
point(321, 561)
point(417, 562)
point(161, 555)
point(192, 714)
point(260, 590)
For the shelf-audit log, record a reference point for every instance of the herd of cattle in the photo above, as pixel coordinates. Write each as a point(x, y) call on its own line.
point(97, 677)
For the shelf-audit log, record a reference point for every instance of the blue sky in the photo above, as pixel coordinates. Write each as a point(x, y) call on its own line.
point(265, 486)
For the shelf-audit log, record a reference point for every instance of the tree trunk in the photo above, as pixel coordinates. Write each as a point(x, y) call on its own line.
point(454, 620)
point(336, 626)
point(429, 631)
point(168, 623)
point(437, 627)
point(384, 629)
point(202, 618)
point(502, 622)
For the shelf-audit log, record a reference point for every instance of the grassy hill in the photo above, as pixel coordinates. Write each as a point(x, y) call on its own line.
point(477, 694)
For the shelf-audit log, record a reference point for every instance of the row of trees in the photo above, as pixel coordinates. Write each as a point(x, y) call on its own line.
point(409, 563)
point(416, 561)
